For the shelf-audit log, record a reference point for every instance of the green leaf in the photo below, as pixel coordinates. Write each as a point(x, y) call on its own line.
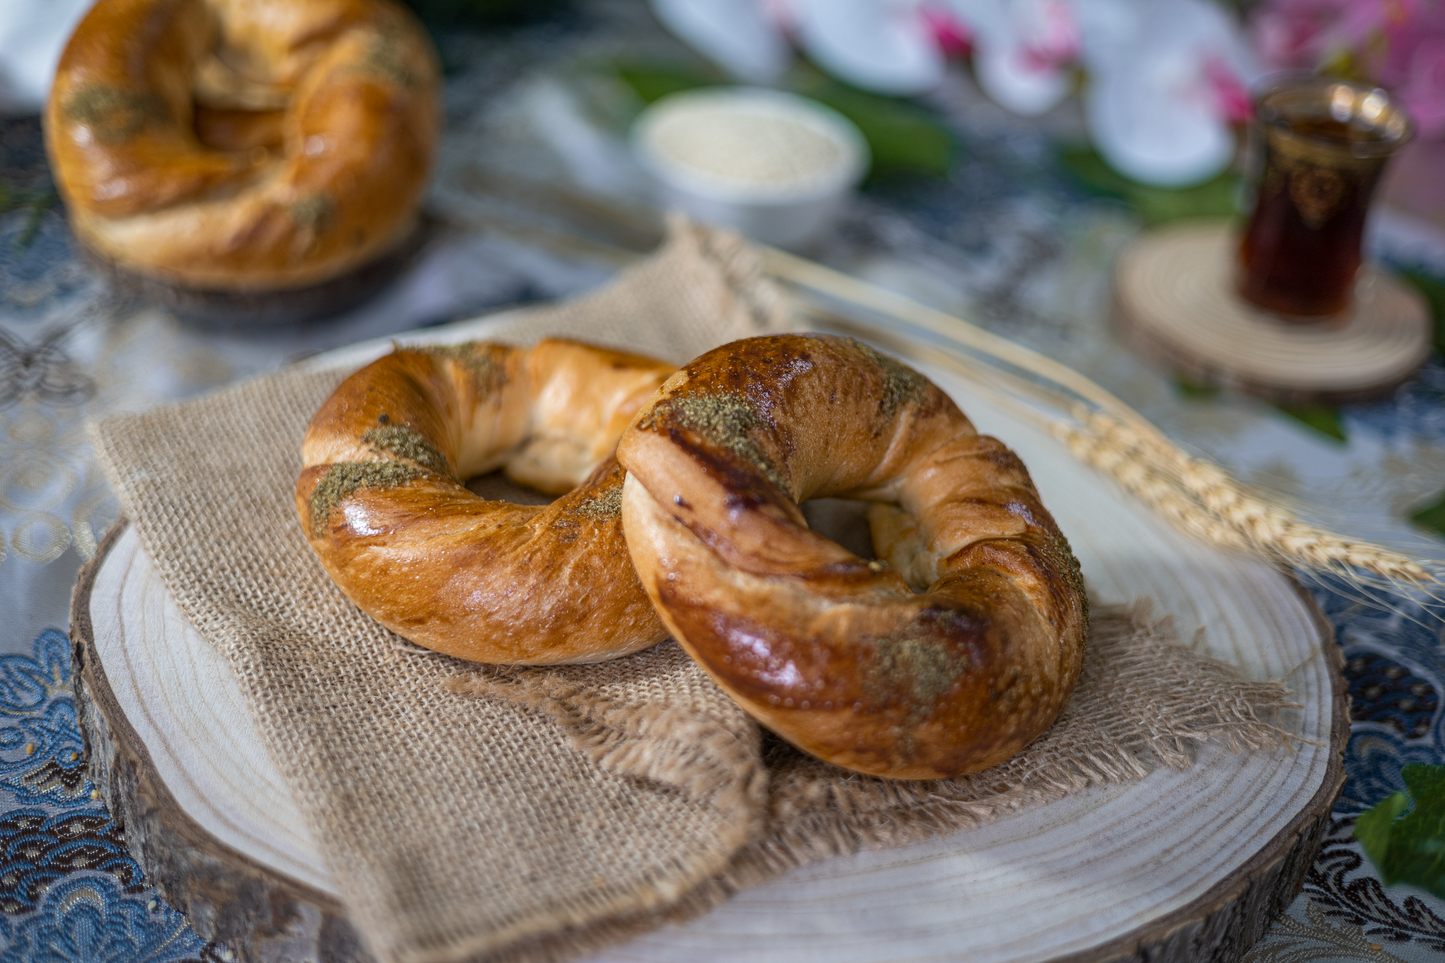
point(1156, 205)
point(902, 137)
point(1193, 390)
point(34, 202)
point(1373, 826)
point(1322, 418)
point(654, 81)
point(1409, 848)
point(1434, 293)
point(1431, 516)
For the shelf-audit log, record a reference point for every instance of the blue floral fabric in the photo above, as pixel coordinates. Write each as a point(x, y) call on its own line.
point(90, 917)
point(70, 892)
point(1417, 411)
point(1395, 667)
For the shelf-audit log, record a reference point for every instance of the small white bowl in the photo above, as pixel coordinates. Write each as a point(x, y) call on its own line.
point(773, 166)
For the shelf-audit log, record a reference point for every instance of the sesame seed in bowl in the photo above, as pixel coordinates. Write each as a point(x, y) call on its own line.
point(771, 165)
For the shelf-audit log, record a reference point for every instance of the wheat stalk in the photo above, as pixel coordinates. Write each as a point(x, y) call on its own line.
point(1251, 519)
point(1154, 488)
point(1196, 495)
point(1193, 493)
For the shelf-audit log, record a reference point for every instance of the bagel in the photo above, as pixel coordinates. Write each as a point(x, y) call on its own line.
point(382, 503)
point(949, 656)
point(244, 145)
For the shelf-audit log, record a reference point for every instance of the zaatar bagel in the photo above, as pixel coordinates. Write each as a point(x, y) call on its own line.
point(244, 145)
point(949, 656)
point(382, 501)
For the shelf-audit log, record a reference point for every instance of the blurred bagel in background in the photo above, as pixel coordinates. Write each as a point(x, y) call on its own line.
point(244, 145)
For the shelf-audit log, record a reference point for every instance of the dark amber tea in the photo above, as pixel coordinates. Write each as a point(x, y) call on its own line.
point(1325, 144)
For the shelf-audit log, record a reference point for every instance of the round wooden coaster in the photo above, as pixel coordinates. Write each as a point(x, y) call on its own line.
point(1176, 302)
point(1191, 864)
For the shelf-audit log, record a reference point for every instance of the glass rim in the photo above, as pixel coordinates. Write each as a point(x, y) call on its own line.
point(1391, 122)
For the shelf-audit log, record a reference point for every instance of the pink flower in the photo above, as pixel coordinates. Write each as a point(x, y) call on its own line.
point(1024, 50)
point(952, 34)
point(1297, 34)
point(1422, 90)
point(1231, 99)
point(1056, 40)
point(1398, 44)
point(1165, 79)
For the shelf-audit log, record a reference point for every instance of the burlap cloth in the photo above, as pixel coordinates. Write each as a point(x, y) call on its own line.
point(467, 811)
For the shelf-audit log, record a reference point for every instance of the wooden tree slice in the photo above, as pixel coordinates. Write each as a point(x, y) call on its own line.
point(1181, 865)
point(1177, 303)
point(176, 758)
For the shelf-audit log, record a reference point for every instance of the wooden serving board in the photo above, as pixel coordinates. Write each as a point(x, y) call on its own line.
point(1181, 865)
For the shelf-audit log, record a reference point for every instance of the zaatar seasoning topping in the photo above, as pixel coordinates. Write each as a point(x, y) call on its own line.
point(344, 478)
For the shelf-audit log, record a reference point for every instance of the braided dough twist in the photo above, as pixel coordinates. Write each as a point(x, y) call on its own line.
point(382, 502)
point(839, 655)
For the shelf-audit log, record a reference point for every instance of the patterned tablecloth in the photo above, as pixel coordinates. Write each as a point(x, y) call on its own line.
point(1008, 239)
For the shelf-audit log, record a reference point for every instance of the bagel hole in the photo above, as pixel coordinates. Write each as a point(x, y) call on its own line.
point(496, 486)
point(842, 520)
point(234, 129)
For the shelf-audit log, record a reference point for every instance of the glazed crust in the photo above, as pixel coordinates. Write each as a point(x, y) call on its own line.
point(244, 144)
point(382, 503)
point(839, 655)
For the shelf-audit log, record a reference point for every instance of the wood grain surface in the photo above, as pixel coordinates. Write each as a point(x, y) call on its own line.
point(1182, 865)
point(183, 771)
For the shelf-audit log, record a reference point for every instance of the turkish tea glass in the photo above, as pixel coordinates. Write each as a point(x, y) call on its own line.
point(1325, 144)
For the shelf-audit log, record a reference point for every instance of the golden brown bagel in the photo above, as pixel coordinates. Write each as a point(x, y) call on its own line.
point(382, 502)
point(836, 654)
point(244, 144)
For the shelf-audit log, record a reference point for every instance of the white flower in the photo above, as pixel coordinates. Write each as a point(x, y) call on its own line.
point(33, 34)
point(1164, 78)
point(887, 46)
point(1024, 50)
point(742, 36)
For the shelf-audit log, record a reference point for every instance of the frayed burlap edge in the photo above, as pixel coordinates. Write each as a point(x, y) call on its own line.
point(1130, 651)
point(711, 759)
